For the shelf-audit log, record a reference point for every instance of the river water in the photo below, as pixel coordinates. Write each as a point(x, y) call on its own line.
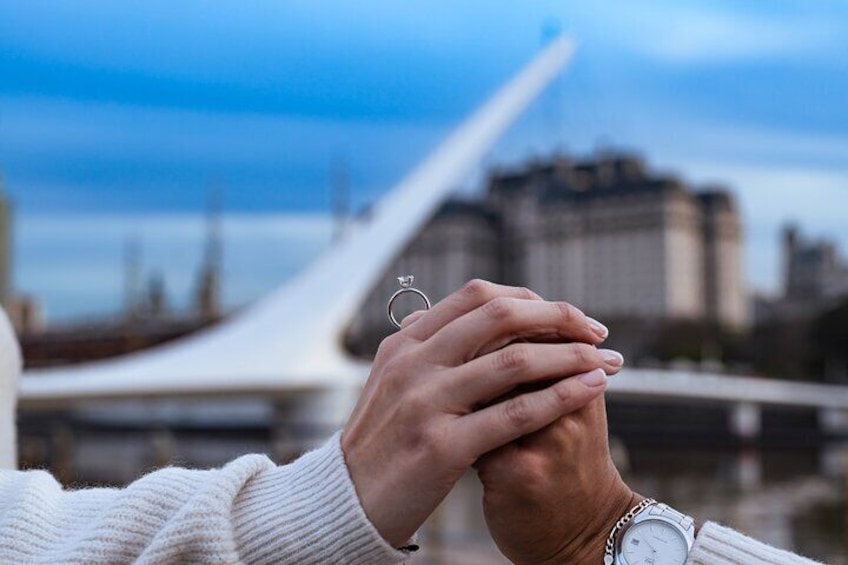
point(794, 499)
point(791, 498)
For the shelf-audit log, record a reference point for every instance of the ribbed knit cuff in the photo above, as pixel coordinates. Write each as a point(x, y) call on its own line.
point(308, 513)
point(718, 545)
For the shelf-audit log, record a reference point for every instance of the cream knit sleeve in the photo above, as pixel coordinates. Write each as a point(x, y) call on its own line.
point(718, 545)
point(250, 511)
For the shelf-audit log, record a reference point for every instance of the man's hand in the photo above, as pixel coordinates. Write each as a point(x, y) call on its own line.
point(435, 400)
point(554, 496)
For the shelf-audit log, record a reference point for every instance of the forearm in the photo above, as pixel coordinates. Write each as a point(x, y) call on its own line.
point(718, 545)
point(250, 511)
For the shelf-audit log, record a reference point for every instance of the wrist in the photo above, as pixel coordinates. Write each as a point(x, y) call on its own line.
point(624, 505)
point(588, 547)
point(620, 500)
point(396, 518)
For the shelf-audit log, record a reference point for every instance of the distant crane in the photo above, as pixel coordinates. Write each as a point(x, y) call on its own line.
point(208, 297)
point(340, 198)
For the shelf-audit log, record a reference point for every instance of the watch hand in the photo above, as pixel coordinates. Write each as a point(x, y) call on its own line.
point(651, 546)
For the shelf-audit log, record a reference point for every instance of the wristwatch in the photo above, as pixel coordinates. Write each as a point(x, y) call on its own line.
point(651, 533)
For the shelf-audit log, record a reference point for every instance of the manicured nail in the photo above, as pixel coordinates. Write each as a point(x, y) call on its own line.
point(612, 357)
point(594, 378)
point(598, 328)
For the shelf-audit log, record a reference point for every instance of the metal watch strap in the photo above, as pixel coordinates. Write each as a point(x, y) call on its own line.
point(667, 511)
point(609, 552)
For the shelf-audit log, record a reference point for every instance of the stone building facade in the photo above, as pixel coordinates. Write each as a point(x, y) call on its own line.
point(814, 271)
point(605, 234)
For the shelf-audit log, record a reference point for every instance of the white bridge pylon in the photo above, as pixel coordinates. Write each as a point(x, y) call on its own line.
point(291, 341)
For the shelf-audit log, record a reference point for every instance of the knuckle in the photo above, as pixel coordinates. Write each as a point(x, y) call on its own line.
point(514, 466)
point(518, 413)
point(478, 290)
point(417, 405)
point(585, 355)
point(537, 475)
point(383, 349)
point(568, 313)
point(570, 426)
point(390, 345)
point(513, 359)
point(499, 309)
point(563, 394)
point(526, 294)
point(392, 369)
point(533, 469)
point(399, 364)
point(434, 441)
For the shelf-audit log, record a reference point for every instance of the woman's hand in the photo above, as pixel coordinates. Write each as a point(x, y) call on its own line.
point(434, 401)
point(554, 496)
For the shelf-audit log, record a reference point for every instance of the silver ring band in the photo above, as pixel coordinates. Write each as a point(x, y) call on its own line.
point(395, 296)
point(405, 283)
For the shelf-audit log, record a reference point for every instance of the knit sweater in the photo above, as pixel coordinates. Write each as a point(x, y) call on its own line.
point(718, 545)
point(249, 511)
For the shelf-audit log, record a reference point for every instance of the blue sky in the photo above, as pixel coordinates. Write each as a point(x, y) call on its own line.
point(115, 119)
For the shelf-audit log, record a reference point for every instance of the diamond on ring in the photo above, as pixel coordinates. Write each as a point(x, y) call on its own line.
point(406, 281)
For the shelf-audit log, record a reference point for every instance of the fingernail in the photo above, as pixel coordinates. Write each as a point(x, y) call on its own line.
point(598, 328)
point(594, 378)
point(612, 357)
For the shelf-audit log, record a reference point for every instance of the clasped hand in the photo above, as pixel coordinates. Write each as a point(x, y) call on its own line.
point(497, 378)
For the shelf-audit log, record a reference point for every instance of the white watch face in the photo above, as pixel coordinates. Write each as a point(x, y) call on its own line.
point(654, 542)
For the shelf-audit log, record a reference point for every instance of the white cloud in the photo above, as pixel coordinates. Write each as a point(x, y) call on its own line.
point(702, 36)
point(752, 143)
point(674, 33)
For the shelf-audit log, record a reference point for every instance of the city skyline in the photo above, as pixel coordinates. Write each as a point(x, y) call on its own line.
point(130, 114)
